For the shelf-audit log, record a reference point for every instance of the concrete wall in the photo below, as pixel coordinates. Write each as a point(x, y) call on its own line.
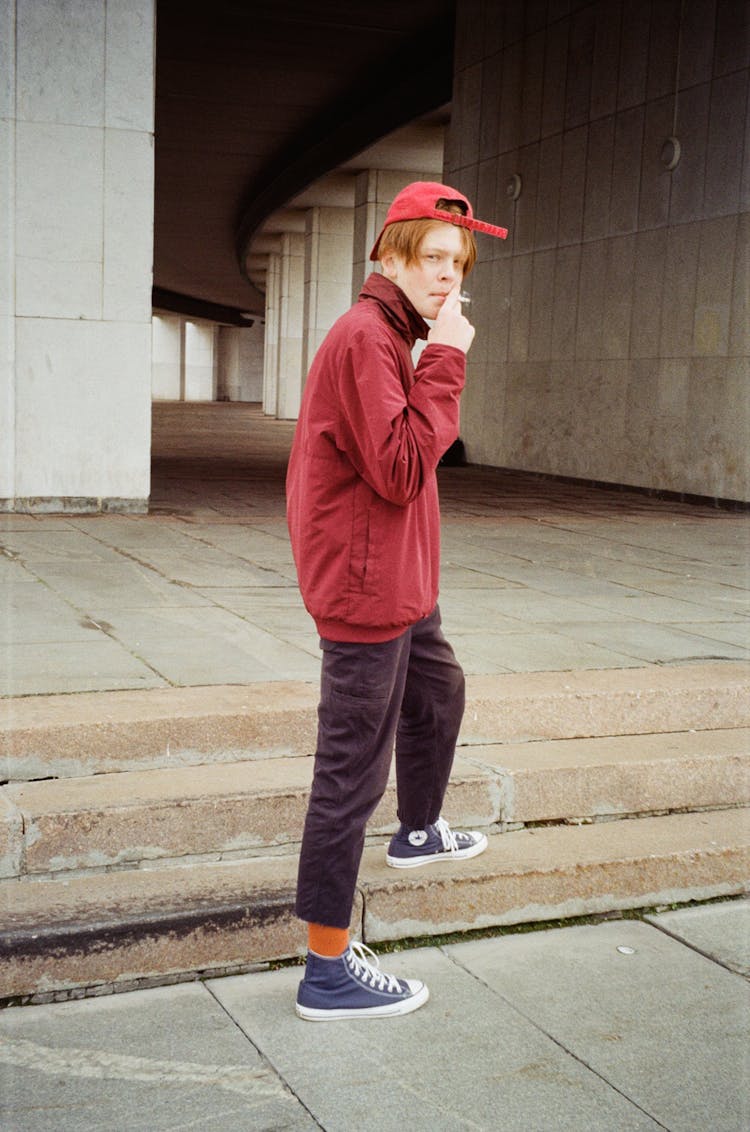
point(613, 324)
point(76, 224)
point(239, 363)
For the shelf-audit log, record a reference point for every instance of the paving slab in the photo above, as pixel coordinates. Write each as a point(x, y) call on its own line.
point(104, 588)
point(466, 1061)
point(720, 931)
point(537, 575)
point(97, 664)
point(33, 614)
point(532, 650)
point(48, 543)
point(663, 1025)
point(607, 1026)
point(652, 643)
point(162, 1060)
point(209, 645)
point(733, 632)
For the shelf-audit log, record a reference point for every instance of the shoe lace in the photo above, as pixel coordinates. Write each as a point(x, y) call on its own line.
point(448, 837)
point(366, 966)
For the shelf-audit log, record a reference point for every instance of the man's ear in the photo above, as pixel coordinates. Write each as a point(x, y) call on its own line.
point(389, 264)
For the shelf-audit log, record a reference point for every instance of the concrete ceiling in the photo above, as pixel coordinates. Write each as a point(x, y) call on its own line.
point(263, 110)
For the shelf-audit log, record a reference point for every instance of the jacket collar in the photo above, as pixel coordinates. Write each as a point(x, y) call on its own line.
point(397, 308)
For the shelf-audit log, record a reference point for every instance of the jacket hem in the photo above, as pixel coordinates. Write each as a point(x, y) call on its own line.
point(358, 634)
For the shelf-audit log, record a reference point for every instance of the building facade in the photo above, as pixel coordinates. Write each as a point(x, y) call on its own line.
point(612, 326)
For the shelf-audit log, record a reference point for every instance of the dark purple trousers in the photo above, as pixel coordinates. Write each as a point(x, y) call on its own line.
point(410, 690)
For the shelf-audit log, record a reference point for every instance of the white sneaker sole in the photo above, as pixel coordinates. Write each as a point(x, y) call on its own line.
point(390, 1010)
point(429, 858)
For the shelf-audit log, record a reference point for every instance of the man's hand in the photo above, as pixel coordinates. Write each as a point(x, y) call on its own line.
point(451, 327)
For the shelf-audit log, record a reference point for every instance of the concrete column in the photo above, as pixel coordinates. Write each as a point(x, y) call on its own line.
point(76, 200)
point(290, 325)
point(168, 358)
point(251, 357)
point(271, 343)
point(328, 273)
point(374, 189)
point(200, 361)
point(227, 363)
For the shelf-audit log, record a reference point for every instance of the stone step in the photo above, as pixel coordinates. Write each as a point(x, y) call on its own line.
point(162, 923)
point(256, 807)
point(102, 732)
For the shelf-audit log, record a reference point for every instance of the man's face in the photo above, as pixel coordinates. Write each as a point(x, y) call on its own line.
point(436, 270)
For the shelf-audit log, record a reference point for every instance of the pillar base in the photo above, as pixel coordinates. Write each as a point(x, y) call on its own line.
point(73, 505)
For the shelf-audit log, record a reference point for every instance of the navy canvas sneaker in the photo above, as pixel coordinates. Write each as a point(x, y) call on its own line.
point(438, 842)
point(353, 986)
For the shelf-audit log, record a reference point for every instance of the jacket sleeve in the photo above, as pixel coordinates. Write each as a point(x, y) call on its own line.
point(395, 436)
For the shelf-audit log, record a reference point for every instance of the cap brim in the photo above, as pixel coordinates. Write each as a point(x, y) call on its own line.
point(454, 218)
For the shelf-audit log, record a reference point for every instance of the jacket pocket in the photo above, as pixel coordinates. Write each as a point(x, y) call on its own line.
point(364, 559)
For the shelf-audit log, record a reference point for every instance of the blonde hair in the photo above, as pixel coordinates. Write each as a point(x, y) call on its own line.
point(405, 237)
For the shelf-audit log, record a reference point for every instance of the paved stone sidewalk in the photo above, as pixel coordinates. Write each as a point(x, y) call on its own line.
point(622, 1025)
point(537, 575)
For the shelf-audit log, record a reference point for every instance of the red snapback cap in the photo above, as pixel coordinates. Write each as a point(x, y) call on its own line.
point(418, 202)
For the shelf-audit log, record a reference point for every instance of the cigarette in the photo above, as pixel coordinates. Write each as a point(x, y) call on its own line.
point(464, 297)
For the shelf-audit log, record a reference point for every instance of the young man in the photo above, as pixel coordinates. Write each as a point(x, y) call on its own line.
point(364, 523)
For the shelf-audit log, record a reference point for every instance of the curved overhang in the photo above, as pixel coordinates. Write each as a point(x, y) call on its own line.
point(414, 81)
point(255, 104)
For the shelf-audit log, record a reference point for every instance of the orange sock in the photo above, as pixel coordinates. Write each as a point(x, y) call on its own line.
point(330, 942)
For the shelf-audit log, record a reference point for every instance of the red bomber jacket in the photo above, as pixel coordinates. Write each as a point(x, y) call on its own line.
point(362, 499)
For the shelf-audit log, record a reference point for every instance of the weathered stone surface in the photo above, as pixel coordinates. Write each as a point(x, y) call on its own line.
point(237, 808)
point(632, 701)
point(565, 779)
point(557, 872)
point(127, 925)
point(11, 837)
point(89, 733)
point(123, 926)
point(98, 732)
point(112, 819)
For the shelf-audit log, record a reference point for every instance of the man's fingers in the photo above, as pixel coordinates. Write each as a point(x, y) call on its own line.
point(451, 300)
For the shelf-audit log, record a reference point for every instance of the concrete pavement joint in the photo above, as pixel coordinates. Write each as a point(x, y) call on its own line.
point(694, 947)
point(567, 1050)
point(265, 1059)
